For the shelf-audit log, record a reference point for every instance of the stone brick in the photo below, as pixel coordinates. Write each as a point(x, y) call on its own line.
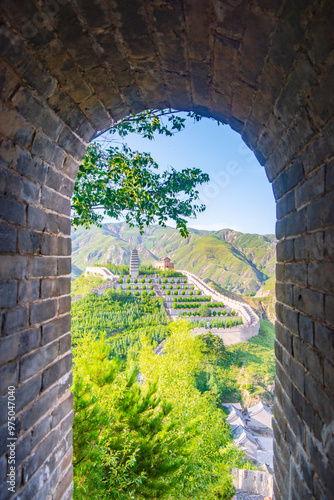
point(23, 447)
point(28, 291)
point(71, 144)
point(298, 375)
point(306, 327)
point(12, 125)
point(7, 239)
point(41, 430)
point(71, 167)
point(329, 309)
point(284, 250)
point(311, 188)
point(41, 406)
point(320, 275)
point(309, 246)
point(8, 294)
point(64, 225)
point(37, 112)
point(30, 192)
point(64, 266)
point(33, 168)
point(54, 201)
point(28, 242)
point(285, 205)
point(324, 340)
point(43, 450)
point(43, 311)
point(296, 273)
point(15, 319)
point(56, 371)
point(42, 266)
point(41, 221)
point(320, 400)
point(28, 391)
point(64, 246)
point(310, 302)
point(284, 337)
point(320, 213)
point(9, 374)
point(18, 344)
point(55, 287)
point(288, 179)
point(10, 184)
point(293, 224)
point(64, 304)
point(55, 329)
point(37, 360)
point(329, 382)
point(47, 150)
point(65, 344)
point(62, 411)
point(13, 267)
point(57, 181)
point(12, 211)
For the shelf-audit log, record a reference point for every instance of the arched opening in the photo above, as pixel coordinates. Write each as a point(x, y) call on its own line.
point(265, 69)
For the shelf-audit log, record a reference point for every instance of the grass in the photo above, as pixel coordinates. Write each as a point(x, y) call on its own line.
point(83, 285)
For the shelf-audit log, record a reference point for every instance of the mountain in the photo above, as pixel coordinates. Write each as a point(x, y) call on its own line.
point(239, 262)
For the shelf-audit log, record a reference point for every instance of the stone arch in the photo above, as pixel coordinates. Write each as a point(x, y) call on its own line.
point(68, 69)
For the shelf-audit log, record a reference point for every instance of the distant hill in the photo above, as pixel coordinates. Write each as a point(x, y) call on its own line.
point(239, 262)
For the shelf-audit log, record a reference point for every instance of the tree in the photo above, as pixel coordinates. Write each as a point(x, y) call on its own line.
point(125, 443)
point(205, 310)
point(122, 182)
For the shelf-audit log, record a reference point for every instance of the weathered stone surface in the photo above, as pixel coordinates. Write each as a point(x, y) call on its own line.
point(265, 68)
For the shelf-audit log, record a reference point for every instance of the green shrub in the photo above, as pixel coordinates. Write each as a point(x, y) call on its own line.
point(120, 280)
point(144, 294)
point(174, 299)
point(151, 287)
point(176, 292)
point(128, 280)
point(233, 313)
point(185, 288)
point(199, 292)
point(171, 287)
point(189, 313)
point(163, 287)
point(165, 280)
point(136, 281)
point(144, 287)
point(143, 280)
point(150, 281)
point(152, 293)
point(214, 313)
point(184, 281)
point(174, 306)
point(193, 288)
point(128, 293)
point(219, 313)
point(136, 287)
point(168, 292)
point(128, 287)
point(191, 293)
point(224, 312)
point(183, 292)
point(136, 293)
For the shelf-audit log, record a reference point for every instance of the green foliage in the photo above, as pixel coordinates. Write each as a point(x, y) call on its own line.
point(84, 285)
point(204, 310)
point(126, 443)
point(122, 182)
point(245, 372)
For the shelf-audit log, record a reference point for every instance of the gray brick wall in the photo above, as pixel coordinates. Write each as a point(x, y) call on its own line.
point(265, 68)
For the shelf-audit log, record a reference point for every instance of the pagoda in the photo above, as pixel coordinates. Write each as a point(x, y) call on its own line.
point(134, 264)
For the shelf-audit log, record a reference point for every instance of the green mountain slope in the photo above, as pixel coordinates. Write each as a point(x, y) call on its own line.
point(240, 262)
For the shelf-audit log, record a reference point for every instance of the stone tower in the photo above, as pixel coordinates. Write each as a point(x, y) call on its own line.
point(134, 264)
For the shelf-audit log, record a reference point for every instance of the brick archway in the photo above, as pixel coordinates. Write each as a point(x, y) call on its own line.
point(70, 67)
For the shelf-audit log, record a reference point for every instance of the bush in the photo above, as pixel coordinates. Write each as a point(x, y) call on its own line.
point(152, 293)
point(129, 287)
point(199, 292)
point(184, 281)
point(219, 313)
point(150, 281)
point(193, 288)
point(189, 313)
point(224, 312)
point(136, 293)
point(171, 287)
point(136, 281)
point(144, 293)
point(208, 299)
point(151, 287)
point(195, 313)
point(145, 275)
point(176, 292)
point(136, 287)
point(214, 313)
point(128, 293)
point(191, 293)
point(163, 287)
point(204, 310)
point(120, 280)
point(128, 280)
point(174, 306)
point(183, 292)
point(144, 287)
point(172, 281)
point(221, 304)
point(142, 280)
point(165, 280)
point(174, 299)
point(233, 313)
point(168, 292)
point(185, 288)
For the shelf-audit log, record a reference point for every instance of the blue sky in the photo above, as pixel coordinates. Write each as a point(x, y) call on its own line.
point(239, 195)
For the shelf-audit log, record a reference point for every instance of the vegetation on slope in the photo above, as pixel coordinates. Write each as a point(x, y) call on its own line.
point(246, 372)
point(239, 262)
